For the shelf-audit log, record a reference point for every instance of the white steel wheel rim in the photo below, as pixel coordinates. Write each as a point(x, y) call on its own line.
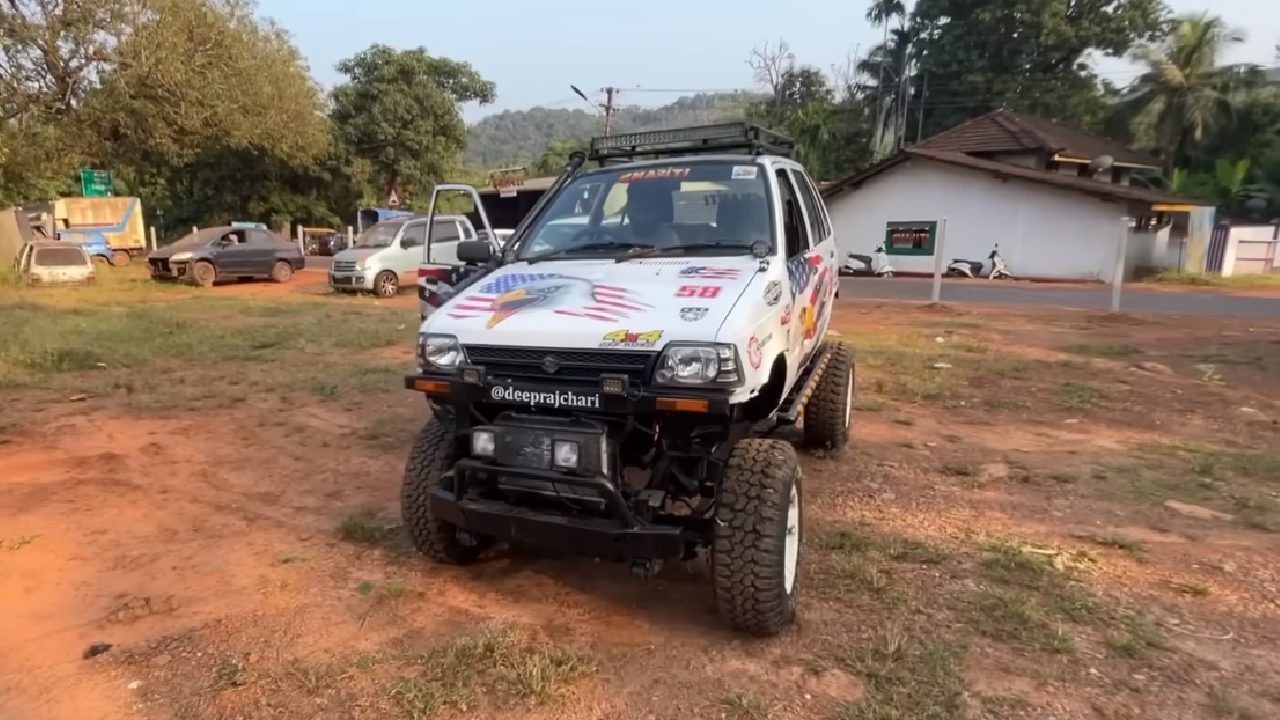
point(848, 400)
point(791, 547)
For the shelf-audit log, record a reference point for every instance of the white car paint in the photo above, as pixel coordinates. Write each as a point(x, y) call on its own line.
point(772, 310)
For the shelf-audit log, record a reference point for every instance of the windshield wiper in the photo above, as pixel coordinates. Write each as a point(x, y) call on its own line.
point(653, 250)
point(603, 245)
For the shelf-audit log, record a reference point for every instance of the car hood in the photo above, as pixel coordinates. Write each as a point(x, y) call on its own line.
point(355, 254)
point(165, 253)
point(644, 303)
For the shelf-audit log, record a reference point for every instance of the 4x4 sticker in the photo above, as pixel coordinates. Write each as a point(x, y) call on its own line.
point(710, 273)
point(772, 293)
point(705, 292)
point(506, 295)
point(692, 314)
point(655, 174)
point(545, 398)
point(628, 338)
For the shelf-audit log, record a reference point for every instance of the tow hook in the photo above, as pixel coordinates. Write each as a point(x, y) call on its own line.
point(645, 569)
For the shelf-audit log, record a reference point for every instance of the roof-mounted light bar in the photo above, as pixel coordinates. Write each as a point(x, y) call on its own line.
point(735, 137)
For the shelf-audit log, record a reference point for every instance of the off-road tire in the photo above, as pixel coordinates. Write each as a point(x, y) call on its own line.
point(202, 273)
point(386, 284)
point(282, 271)
point(748, 552)
point(828, 416)
point(120, 258)
point(433, 454)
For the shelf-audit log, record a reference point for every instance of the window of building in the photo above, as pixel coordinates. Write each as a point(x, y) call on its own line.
point(917, 237)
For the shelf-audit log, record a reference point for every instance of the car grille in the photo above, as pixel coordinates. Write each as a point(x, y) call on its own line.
point(344, 267)
point(571, 365)
point(160, 265)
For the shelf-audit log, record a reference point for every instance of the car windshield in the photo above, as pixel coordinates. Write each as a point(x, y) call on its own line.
point(380, 235)
point(715, 207)
point(60, 257)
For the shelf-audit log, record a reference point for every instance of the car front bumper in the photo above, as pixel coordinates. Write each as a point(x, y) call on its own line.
point(351, 281)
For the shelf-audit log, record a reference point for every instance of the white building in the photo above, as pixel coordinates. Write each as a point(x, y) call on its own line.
point(1027, 185)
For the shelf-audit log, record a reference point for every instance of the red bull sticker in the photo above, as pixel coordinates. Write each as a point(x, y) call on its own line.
point(631, 338)
point(655, 174)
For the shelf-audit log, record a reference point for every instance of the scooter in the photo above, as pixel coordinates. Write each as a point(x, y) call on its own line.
point(960, 267)
point(863, 265)
point(999, 271)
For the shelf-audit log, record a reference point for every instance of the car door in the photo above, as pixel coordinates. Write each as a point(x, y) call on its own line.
point(822, 241)
point(227, 251)
point(260, 252)
point(445, 236)
point(803, 269)
point(406, 251)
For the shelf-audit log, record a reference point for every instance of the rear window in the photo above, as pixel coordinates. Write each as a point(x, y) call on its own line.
point(60, 257)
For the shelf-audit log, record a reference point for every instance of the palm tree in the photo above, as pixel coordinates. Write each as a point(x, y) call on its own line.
point(1184, 93)
point(893, 58)
point(880, 13)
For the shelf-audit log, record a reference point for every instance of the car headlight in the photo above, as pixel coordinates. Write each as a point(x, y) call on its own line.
point(363, 262)
point(181, 257)
point(698, 365)
point(439, 352)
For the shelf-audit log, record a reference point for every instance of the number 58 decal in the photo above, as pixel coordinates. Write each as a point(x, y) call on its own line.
point(698, 291)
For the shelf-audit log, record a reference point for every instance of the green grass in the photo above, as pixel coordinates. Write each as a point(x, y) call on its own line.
point(1228, 480)
point(1136, 639)
point(744, 705)
point(907, 676)
point(908, 363)
point(1119, 542)
point(494, 665)
point(890, 546)
point(1173, 277)
point(145, 326)
point(1079, 396)
point(367, 526)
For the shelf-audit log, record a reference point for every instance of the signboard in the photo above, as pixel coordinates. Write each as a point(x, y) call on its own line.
point(393, 197)
point(95, 183)
point(507, 181)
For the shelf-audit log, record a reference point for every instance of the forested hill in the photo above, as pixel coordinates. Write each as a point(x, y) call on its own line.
point(515, 137)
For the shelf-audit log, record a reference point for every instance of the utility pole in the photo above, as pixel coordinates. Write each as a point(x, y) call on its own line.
point(608, 108)
point(924, 93)
point(607, 105)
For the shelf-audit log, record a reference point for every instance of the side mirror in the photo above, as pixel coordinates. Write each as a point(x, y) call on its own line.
point(475, 252)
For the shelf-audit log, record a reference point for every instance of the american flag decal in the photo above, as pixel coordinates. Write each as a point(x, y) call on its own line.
point(564, 295)
point(707, 272)
point(799, 272)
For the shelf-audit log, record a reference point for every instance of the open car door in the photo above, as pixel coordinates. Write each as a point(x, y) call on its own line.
point(441, 271)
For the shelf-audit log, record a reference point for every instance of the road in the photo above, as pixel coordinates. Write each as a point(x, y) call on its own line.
point(1039, 295)
point(1066, 296)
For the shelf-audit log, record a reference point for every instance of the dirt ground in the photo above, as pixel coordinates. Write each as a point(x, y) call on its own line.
point(1042, 515)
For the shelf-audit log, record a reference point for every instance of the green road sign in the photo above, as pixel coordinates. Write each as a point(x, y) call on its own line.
point(95, 183)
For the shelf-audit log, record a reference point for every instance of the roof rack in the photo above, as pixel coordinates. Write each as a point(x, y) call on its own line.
point(734, 137)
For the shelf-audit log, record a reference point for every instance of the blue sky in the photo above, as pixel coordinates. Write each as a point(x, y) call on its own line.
point(534, 49)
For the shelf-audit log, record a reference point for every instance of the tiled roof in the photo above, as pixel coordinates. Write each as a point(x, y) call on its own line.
point(1097, 188)
point(1008, 131)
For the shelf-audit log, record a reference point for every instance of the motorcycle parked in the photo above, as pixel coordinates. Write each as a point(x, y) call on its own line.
point(959, 267)
point(864, 265)
point(999, 271)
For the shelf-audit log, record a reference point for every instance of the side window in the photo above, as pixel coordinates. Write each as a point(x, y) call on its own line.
point(810, 204)
point(261, 238)
point(445, 235)
point(414, 236)
point(793, 224)
point(824, 220)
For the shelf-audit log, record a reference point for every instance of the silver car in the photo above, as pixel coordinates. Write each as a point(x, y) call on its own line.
point(55, 263)
point(385, 257)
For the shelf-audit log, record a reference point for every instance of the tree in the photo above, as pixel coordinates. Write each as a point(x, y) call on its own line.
point(880, 14)
point(399, 110)
point(1184, 95)
point(1028, 55)
point(552, 160)
point(770, 65)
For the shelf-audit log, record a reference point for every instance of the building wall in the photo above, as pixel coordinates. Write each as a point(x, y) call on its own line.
point(1042, 231)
